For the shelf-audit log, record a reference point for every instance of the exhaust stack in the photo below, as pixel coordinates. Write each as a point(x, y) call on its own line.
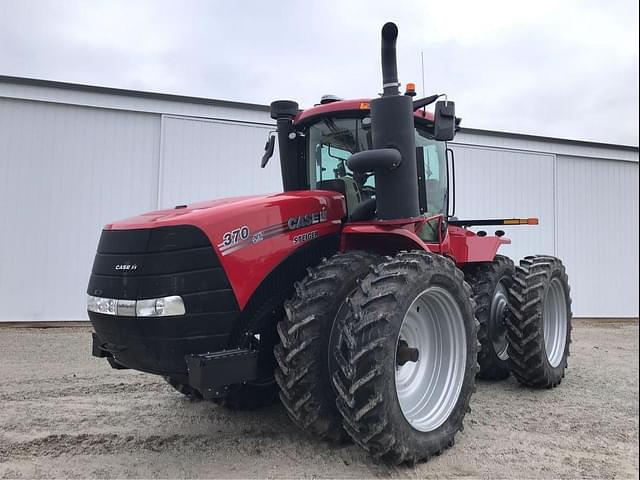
point(392, 127)
point(390, 82)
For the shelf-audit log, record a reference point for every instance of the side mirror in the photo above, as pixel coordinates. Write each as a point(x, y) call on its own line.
point(445, 120)
point(268, 150)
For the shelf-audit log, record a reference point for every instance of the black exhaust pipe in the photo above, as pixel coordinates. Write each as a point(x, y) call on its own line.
point(392, 127)
point(389, 63)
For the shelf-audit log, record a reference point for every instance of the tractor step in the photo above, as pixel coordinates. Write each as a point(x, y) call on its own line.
point(212, 373)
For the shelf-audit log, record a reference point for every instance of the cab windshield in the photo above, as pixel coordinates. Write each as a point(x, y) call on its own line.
point(331, 141)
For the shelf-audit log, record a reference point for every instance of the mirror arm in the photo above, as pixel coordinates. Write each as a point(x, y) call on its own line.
point(423, 102)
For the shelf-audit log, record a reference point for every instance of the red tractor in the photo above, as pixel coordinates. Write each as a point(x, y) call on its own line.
point(355, 295)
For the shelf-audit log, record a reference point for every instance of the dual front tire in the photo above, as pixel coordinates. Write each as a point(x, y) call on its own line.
point(305, 363)
point(386, 353)
point(407, 358)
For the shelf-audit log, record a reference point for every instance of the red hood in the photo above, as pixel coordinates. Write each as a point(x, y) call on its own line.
point(188, 213)
point(206, 213)
point(273, 226)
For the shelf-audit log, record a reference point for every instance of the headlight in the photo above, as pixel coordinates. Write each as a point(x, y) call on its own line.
point(153, 307)
point(160, 307)
point(106, 306)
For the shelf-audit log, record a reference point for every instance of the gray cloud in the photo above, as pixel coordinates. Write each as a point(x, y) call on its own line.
point(566, 69)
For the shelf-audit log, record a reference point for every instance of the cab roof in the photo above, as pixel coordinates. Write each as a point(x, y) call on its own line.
point(354, 105)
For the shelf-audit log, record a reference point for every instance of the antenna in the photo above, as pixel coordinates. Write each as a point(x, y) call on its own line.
point(422, 58)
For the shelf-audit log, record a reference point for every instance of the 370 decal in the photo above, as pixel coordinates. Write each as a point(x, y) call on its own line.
point(241, 237)
point(235, 236)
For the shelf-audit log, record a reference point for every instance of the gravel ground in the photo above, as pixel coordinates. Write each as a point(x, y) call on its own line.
point(66, 414)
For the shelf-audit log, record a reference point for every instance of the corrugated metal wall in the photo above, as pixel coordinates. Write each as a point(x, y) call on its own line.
point(495, 183)
point(597, 234)
point(588, 211)
point(66, 170)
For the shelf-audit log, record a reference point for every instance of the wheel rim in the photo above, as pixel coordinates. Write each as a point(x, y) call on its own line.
point(554, 319)
point(498, 332)
point(428, 389)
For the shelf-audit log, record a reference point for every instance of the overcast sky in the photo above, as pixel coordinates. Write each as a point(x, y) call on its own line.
point(559, 68)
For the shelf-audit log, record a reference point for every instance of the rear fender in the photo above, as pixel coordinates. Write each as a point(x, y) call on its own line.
point(467, 246)
point(462, 245)
point(384, 239)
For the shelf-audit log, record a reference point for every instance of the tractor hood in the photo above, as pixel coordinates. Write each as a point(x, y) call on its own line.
point(251, 235)
point(209, 212)
point(183, 213)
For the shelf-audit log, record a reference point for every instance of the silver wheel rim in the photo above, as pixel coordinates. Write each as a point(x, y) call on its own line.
point(498, 332)
point(429, 388)
point(554, 319)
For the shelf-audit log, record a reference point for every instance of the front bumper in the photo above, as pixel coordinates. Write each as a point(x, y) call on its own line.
point(161, 262)
point(208, 373)
point(159, 345)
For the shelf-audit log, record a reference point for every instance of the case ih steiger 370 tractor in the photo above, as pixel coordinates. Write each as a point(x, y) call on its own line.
point(355, 294)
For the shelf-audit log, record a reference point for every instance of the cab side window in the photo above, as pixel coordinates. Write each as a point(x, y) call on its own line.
point(432, 157)
point(331, 162)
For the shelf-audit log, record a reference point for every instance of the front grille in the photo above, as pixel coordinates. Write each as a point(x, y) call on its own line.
point(151, 263)
point(159, 262)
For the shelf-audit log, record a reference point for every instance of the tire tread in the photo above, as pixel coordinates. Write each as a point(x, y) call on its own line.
point(299, 375)
point(359, 351)
point(524, 321)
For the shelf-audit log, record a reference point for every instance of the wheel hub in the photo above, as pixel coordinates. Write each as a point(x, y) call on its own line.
point(554, 318)
point(431, 357)
point(498, 331)
point(405, 353)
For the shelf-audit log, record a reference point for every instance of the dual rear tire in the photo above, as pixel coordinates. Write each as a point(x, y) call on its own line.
point(491, 282)
point(525, 319)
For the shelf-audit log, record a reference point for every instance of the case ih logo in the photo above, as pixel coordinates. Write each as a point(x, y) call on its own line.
point(307, 219)
point(126, 267)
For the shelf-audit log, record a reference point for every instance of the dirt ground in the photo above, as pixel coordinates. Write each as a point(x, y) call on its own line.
point(66, 414)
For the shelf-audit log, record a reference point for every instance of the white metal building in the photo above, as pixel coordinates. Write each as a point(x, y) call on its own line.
point(74, 157)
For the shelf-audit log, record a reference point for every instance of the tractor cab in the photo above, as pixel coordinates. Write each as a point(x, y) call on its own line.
point(319, 142)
